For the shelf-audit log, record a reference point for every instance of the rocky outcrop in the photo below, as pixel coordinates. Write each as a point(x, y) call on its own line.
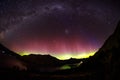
point(109, 55)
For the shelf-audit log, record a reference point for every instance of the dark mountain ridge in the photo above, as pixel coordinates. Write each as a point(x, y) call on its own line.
point(6, 51)
point(110, 55)
point(106, 62)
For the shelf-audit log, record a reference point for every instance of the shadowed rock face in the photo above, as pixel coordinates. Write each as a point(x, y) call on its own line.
point(111, 47)
point(109, 55)
point(105, 64)
point(8, 59)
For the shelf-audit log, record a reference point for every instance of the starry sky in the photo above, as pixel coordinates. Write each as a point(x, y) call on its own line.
point(61, 28)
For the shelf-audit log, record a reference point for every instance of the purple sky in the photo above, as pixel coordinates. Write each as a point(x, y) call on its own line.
point(57, 26)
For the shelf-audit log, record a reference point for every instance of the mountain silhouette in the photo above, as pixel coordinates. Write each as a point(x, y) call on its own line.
point(109, 55)
point(4, 50)
point(105, 64)
point(112, 44)
point(9, 61)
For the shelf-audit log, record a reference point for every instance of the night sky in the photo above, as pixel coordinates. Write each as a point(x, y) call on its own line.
point(61, 28)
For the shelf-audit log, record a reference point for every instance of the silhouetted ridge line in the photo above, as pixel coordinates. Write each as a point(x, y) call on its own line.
point(109, 56)
point(6, 51)
point(112, 42)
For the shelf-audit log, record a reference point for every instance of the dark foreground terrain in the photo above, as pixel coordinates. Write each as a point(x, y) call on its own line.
point(104, 65)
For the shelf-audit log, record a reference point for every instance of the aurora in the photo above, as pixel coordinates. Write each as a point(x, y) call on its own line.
point(61, 28)
point(63, 56)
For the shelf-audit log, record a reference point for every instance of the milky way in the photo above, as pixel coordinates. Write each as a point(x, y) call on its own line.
point(62, 28)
